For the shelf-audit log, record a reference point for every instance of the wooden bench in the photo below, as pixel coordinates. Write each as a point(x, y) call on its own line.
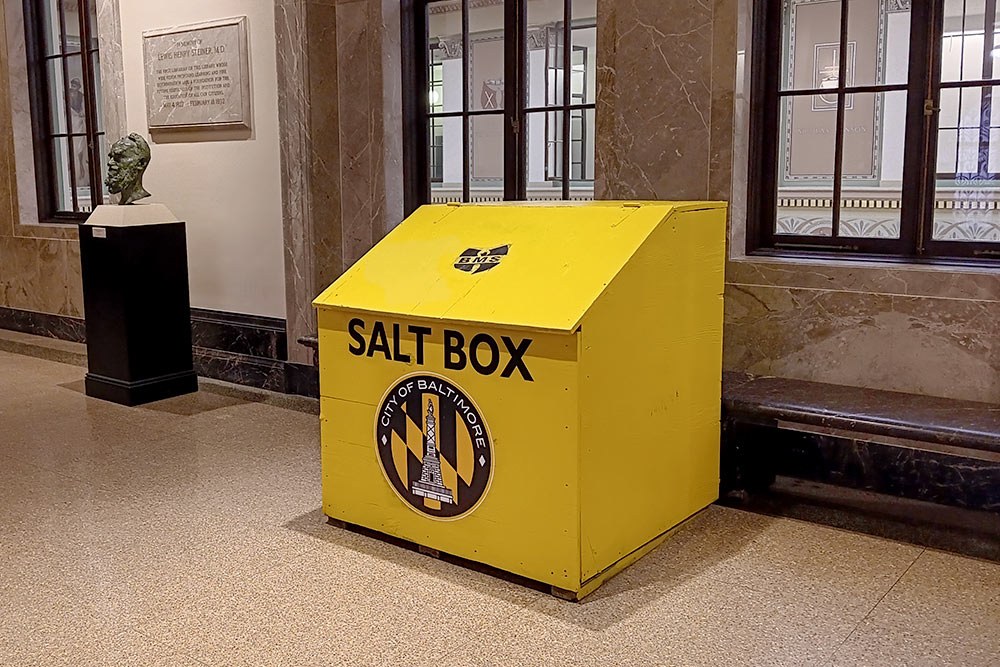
point(918, 447)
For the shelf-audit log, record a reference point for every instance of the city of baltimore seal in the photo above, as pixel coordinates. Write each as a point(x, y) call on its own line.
point(434, 446)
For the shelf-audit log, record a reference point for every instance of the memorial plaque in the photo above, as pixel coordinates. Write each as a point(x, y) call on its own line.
point(198, 76)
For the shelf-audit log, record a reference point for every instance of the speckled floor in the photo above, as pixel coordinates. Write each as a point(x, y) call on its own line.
point(188, 532)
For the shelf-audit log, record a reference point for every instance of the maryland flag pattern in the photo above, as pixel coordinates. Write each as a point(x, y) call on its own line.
point(433, 446)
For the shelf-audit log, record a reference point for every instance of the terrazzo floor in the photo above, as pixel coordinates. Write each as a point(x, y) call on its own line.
point(188, 532)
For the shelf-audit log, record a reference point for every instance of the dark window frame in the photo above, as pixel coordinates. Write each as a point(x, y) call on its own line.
point(923, 87)
point(417, 114)
point(43, 134)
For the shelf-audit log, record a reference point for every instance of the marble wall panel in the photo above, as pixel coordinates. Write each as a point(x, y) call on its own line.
point(293, 126)
point(356, 86)
point(342, 153)
point(112, 73)
point(924, 345)
point(724, 62)
point(324, 123)
point(654, 99)
point(865, 278)
point(40, 264)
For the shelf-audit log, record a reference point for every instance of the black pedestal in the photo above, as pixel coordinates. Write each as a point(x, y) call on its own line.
point(137, 305)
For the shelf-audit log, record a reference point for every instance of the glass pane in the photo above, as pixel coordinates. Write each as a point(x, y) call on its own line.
point(436, 153)
point(950, 102)
point(878, 44)
point(57, 96)
point(970, 107)
point(805, 168)
point(92, 18)
point(544, 156)
point(486, 148)
point(993, 160)
point(947, 157)
point(444, 56)
point(967, 54)
point(75, 96)
point(486, 56)
point(446, 159)
point(811, 46)
point(582, 187)
point(63, 186)
point(81, 166)
point(968, 151)
point(584, 56)
point(895, 67)
point(967, 194)
point(967, 213)
point(51, 26)
point(871, 188)
point(545, 52)
point(71, 18)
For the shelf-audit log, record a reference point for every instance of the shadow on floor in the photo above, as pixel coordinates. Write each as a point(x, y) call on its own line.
point(189, 405)
point(651, 578)
point(958, 530)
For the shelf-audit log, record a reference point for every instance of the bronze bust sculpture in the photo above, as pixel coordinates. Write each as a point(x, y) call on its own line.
point(128, 159)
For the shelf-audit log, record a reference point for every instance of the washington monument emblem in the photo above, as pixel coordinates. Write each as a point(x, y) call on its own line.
point(431, 485)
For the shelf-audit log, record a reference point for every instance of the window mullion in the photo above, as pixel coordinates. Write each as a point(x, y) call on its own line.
point(64, 61)
point(567, 65)
point(987, 91)
point(515, 94)
point(90, 105)
point(466, 120)
point(838, 159)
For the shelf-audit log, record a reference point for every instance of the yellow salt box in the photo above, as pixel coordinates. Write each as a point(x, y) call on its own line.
point(532, 387)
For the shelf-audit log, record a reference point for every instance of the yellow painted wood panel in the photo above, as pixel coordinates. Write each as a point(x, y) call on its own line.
point(528, 520)
point(559, 260)
point(650, 390)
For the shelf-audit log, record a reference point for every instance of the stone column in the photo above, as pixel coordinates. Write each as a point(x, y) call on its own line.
point(664, 100)
point(339, 80)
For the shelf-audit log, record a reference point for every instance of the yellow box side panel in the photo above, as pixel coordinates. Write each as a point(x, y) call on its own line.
point(651, 364)
point(528, 520)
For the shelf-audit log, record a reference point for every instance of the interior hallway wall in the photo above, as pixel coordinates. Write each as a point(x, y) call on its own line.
point(672, 123)
point(224, 183)
point(228, 191)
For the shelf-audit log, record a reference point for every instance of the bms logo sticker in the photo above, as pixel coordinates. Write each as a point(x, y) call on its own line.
point(475, 260)
point(433, 446)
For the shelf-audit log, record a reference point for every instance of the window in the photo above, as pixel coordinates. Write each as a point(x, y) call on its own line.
point(64, 81)
point(499, 99)
point(873, 128)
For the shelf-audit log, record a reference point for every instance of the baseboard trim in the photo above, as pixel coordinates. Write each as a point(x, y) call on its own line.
point(237, 333)
point(61, 327)
point(248, 350)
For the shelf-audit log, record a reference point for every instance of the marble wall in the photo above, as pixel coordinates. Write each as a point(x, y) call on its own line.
point(339, 81)
point(672, 124)
point(665, 99)
point(40, 264)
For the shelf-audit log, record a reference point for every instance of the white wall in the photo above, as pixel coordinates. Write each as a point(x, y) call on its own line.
point(228, 192)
